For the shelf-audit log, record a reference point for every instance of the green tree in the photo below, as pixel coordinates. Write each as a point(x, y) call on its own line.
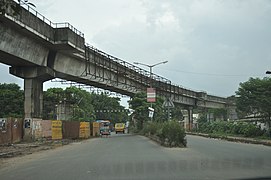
point(140, 106)
point(141, 113)
point(51, 99)
point(108, 108)
point(254, 97)
point(85, 105)
point(11, 100)
point(81, 101)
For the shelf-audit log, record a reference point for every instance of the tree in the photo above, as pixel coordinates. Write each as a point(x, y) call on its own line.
point(108, 108)
point(81, 101)
point(141, 113)
point(85, 105)
point(11, 100)
point(77, 98)
point(140, 106)
point(51, 99)
point(254, 97)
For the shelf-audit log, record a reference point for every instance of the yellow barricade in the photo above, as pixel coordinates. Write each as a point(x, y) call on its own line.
point(84, 130)
point(57, 130)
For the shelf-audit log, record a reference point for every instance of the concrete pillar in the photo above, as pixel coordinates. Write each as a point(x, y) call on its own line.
point(231, 113)
point(33, 87)
point(33, 94)
point(190, 118)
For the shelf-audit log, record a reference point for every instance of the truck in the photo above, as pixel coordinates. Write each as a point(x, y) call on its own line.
point(120, 127)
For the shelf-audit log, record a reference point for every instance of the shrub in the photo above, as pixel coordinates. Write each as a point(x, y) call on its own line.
point(237, 128)
point(170, 133)
point(173, 133)
point(250, 130)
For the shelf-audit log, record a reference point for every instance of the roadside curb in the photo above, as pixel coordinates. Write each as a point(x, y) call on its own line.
point(233, 139)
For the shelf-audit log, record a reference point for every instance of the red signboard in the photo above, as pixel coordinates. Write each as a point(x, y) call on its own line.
point(151, 95)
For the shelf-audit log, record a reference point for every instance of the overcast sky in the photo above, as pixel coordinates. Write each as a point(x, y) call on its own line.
point(210, 45)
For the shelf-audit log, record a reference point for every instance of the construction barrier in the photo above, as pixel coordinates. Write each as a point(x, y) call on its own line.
point(84, 132)
point(70, 129)
point(14, 130)
point(11, 130)
point(46, 129)
point(96, 129)
point(57, 130)
point(36, 129)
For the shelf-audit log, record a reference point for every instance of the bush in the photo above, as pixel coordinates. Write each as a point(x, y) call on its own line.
point(170, 133)
point(250, 130)
point(173, 133)
point(235, 128)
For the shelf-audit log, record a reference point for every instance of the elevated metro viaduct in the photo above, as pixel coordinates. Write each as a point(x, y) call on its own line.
point(39, 50)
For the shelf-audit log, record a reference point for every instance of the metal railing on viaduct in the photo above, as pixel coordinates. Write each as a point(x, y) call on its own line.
point(39, 49)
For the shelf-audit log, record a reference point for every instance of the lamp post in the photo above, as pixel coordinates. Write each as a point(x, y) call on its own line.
point(150, 66)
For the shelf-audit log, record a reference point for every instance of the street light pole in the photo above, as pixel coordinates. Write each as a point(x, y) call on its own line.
point(150, 66)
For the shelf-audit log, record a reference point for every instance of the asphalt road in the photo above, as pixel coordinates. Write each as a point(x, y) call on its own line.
point(136, 157)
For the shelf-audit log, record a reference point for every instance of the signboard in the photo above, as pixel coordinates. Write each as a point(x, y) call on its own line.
point(151, 112)
point(168, 103)
point(57, 129)
point(151, 95)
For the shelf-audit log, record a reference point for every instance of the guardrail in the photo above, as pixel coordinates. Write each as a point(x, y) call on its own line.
point(130, 66)
point(185, 91)
point(50, 23)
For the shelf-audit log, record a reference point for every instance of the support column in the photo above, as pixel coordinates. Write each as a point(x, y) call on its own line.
point(231, 113)
point(33, 94)
point(190, 118)
point(33, 87)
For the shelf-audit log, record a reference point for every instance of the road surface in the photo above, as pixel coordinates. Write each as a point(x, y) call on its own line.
point(125, 156)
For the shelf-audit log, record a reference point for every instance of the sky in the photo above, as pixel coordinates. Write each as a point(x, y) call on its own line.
point(210, 45)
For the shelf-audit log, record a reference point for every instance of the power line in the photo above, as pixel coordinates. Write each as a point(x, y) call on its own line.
point(212, 74)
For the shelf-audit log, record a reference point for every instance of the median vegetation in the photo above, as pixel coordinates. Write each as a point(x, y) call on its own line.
point(169, 133)
point(225, 128)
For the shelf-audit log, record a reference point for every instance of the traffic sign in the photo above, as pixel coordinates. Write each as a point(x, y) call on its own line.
point(168, 103)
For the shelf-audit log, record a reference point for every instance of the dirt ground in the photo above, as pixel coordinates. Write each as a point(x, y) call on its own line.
point(10, 151)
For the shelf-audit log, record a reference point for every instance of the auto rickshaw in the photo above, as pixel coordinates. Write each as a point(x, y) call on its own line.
point(105, 131)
